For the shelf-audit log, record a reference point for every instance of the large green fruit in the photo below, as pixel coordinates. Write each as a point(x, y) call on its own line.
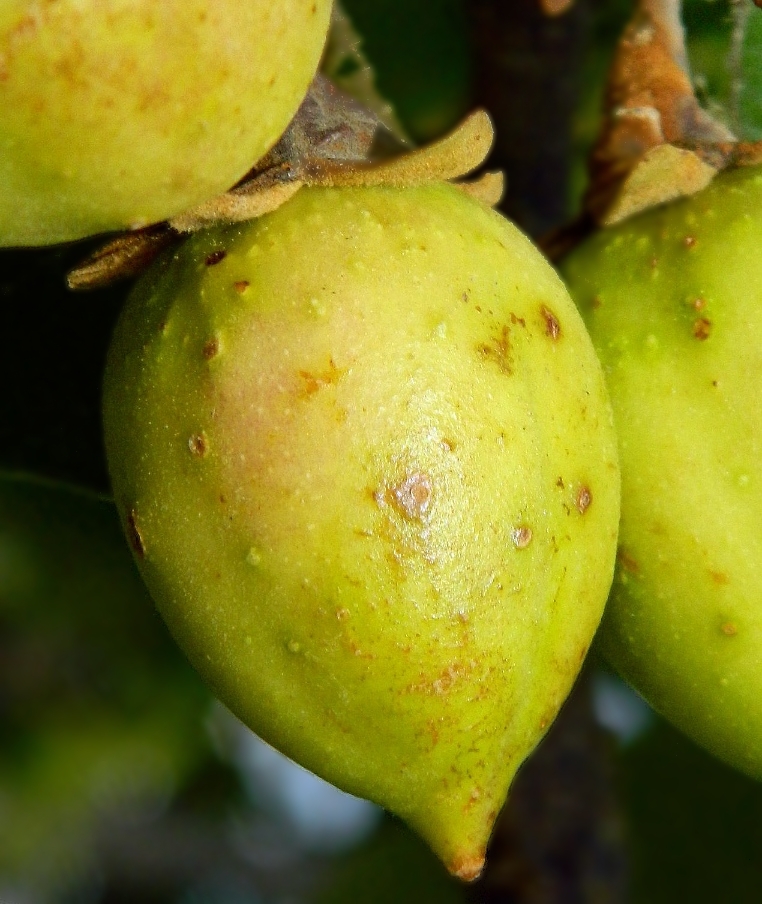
point(364, 456)
point(673, 300)
point(120, 113)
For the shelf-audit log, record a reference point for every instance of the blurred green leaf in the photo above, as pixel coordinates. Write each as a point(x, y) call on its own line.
point(695, 825)
point(99, 713)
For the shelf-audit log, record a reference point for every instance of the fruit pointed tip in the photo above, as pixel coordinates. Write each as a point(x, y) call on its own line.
point(467, 868)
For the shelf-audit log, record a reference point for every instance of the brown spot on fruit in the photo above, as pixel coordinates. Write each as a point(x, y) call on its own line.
point(729, 629)
point(627, 562)
point(583, 499)
point(498, 350)
point(552, 325)
point(198, 445)
point(521, 536)
point(413, 496)
point(314, 382)
point(517, 321)
point(215, 257)
point(134, 536)
point(467, 868)
point(702, 328)
point(241, 286)
point(698, 304)
point(690, 241)
point(443, 683)
point(211, 348)
point(719, 577)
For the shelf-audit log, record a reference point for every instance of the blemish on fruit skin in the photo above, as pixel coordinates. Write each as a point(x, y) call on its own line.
point(521, 536)
point(444, 682)
point(729, 629)
point(293, 646)
point(198, 445)
point(498, 350)
point(211, 348)
point(254, 557)
point(690, 241)
point(241, 286)
point(134, 536)
point(702, 328)
point(552, 324)
point(215, 257)
point(342, 614)
point(719, 578)
point(627, 562)
point(315, 382)
point(412, 497)
point(583, 499)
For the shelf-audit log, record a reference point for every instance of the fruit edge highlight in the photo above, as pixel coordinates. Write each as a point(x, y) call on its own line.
point(673, 302)
point(364, 456)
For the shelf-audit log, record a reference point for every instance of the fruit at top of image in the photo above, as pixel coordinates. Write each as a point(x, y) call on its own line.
point(122, 113)
point(673, 301)
point(365, 459)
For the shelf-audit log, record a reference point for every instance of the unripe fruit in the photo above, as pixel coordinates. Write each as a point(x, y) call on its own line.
point(122, 113)
point(674, 305)
point(363, 453)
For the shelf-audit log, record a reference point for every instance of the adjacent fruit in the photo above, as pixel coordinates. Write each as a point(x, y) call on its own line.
point(122, 113)
point(364, 458)
point(673, 300)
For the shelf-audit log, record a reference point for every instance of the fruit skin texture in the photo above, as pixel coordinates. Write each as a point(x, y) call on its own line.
point(367, 466)
point(122, 113)
point(673, 300)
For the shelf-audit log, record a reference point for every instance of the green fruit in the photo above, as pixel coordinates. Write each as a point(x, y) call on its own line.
point(674, 305)
point(122, 113)
point(363, 453)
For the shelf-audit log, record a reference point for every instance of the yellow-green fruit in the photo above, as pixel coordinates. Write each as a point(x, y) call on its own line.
point(673, 300)
point(364, 455)
point(120, 113)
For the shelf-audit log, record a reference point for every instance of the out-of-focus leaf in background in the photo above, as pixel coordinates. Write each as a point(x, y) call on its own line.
point(395, 867)
point(694, 824)
point(99, 714)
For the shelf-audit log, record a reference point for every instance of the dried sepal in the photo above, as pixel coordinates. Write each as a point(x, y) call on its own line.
point(256, 198)
point(457, 154)
point(122, 258)
point(663, 174)
point(650, 102)
point(487, 188)
point(331, 142)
